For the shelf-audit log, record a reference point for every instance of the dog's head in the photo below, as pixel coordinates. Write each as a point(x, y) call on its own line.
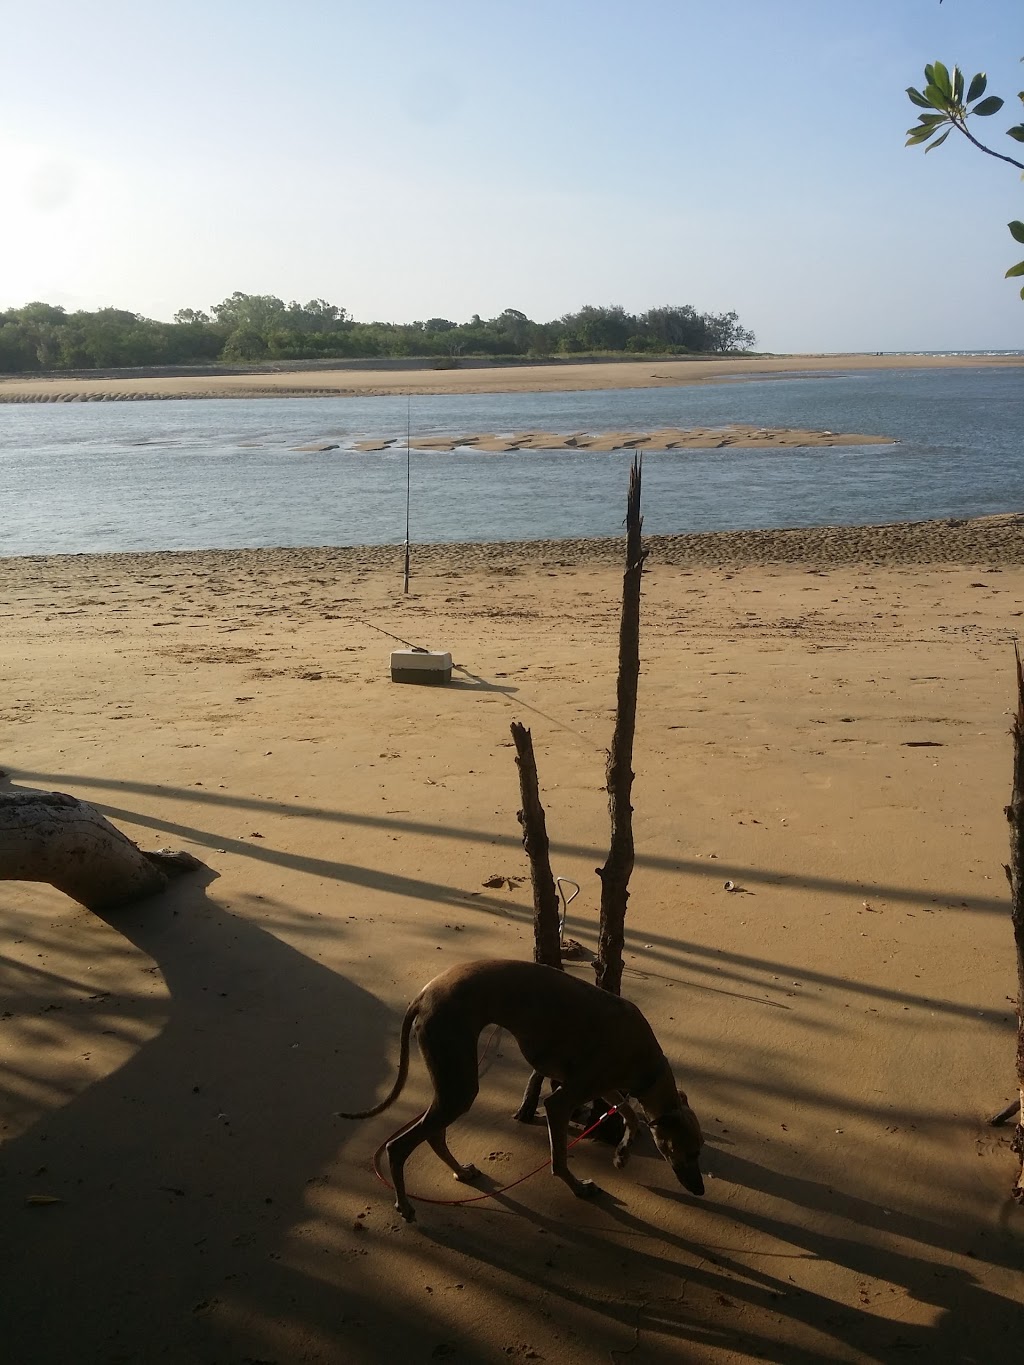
point(679, 1139)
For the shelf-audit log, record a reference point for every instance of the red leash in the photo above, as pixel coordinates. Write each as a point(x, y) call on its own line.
point(474, 1198)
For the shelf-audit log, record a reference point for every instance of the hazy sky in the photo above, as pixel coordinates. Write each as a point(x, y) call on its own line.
point(414, 158)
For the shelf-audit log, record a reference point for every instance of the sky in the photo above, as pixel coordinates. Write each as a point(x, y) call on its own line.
point(408, 159)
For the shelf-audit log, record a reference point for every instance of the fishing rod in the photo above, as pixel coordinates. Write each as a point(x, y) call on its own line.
point(408, 485)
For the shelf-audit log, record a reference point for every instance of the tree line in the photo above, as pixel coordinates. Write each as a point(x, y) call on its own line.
point(249, 328)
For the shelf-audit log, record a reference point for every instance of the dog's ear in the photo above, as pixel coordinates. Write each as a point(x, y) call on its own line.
point(682, 1098)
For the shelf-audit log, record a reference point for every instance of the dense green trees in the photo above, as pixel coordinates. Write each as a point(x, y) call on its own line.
point(249, 328)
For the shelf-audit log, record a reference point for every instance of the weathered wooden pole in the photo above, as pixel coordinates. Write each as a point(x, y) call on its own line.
point(619, 769)
point(1015, 873)
point(547, 938)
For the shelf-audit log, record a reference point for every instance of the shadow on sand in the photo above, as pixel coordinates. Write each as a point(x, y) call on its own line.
point(181, 1172)
point(208, 1197)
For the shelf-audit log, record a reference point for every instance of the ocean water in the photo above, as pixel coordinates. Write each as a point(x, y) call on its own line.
point(222, 473)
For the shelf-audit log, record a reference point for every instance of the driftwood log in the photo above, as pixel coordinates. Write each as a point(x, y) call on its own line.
point(55, 838)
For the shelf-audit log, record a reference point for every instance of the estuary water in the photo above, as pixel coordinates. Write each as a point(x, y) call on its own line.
point(224, 474)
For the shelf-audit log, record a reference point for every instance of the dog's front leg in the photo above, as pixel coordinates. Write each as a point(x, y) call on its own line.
point(629, 1118)
point(558, 1108)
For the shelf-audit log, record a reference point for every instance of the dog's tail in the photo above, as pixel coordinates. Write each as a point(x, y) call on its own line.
point(403, 1069)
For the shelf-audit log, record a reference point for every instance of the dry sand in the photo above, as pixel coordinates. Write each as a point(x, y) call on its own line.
point(822, 721)
point(295, 381)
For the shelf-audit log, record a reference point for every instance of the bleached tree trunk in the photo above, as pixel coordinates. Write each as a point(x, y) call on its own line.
point(55, 838)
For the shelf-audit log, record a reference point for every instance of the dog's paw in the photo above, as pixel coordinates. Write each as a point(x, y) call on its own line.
point(586, 1189)
point(620, 1158)
point(467, 1174)
point(407, 1211)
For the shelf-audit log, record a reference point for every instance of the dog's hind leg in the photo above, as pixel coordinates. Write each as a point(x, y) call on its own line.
point(467, 1174)
point(455, 1089)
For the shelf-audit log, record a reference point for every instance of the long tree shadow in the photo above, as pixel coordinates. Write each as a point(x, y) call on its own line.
point(674, 1287)
point(706, 964)
point(692, 866)
point(832, 1202)
point(180, 1173)
point(703, 963)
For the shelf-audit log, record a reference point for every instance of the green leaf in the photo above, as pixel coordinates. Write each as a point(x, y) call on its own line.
point(927, 126)
point(1016, 133)
point(977, 87)
point(938, 141)
point(1016, 230)
point(929, 74)
point(917, 98)
point(1017, 269)
point(935, 97)
point(958, 85)
point(940, 77)
point(990, 106)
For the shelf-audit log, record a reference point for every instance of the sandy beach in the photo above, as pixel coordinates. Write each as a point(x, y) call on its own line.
point(823, 722)
point(358, 380)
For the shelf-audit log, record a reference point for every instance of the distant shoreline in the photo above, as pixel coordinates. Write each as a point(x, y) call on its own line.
point(355, 379)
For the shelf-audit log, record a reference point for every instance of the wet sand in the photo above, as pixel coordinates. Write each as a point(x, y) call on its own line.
point(731, 436)
point(294, 381)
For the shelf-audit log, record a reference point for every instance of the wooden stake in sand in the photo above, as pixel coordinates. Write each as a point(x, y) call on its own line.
point(1015, 874)
point(619, 770)
point(547, 938)
point(616, 872)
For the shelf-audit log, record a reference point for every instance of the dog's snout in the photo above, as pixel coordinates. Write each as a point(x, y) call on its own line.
point(690, 1176)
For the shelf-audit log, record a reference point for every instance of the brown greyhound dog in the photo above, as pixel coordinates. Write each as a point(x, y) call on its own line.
point(592, 1044)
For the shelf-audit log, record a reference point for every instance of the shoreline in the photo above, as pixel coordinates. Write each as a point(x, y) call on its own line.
point(568, 377)
point(995, 540)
